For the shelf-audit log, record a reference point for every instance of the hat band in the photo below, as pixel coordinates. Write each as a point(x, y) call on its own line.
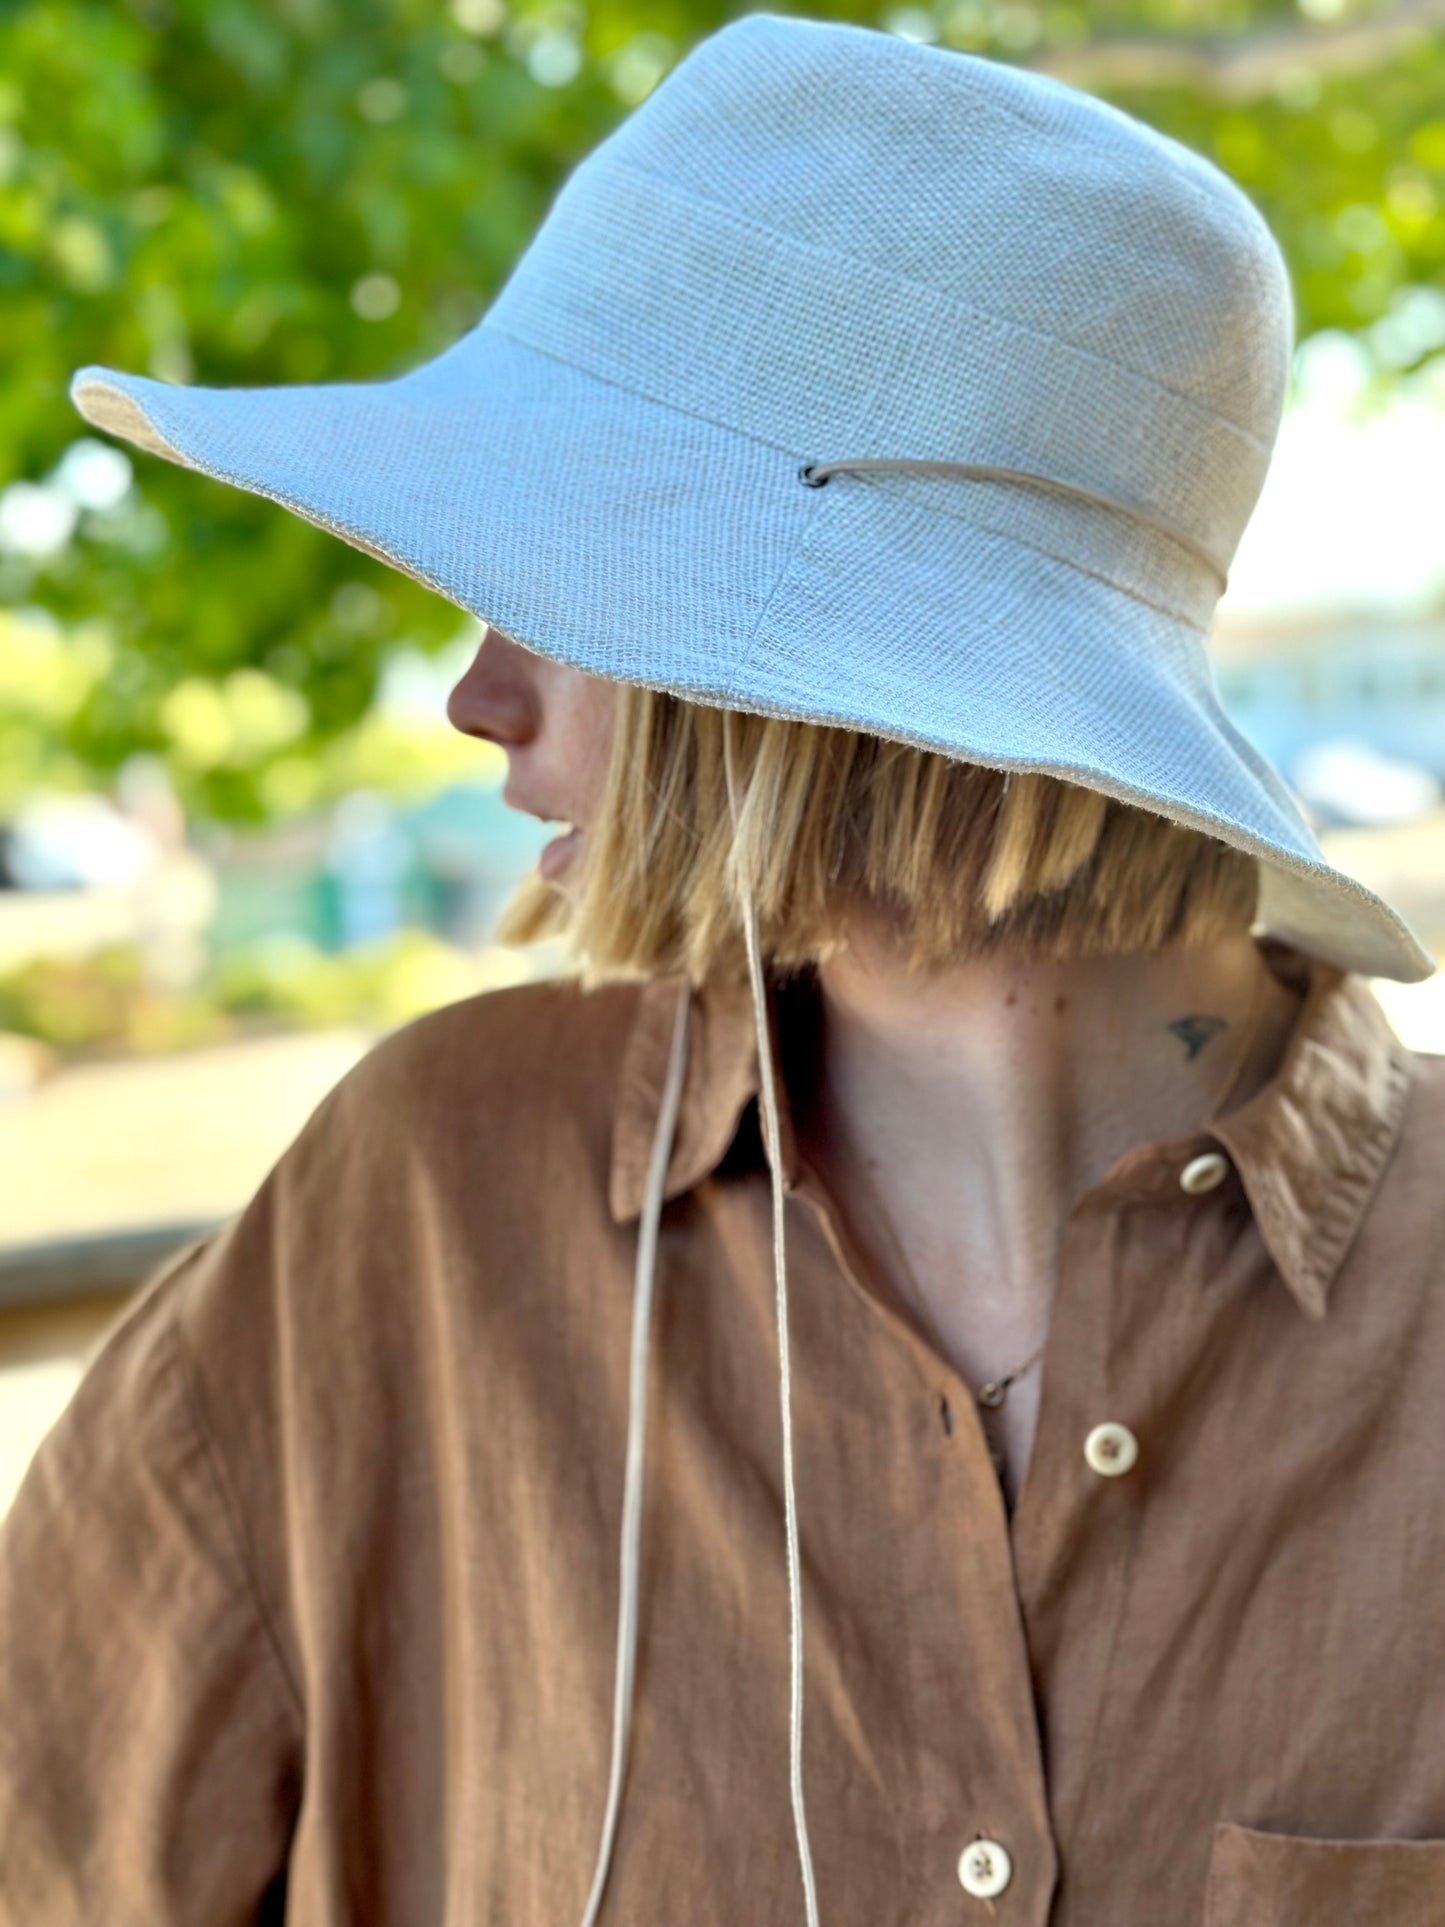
point(767, 336)
point(815, 474)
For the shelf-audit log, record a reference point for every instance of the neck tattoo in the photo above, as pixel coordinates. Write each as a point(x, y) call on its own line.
point(1195, 1032)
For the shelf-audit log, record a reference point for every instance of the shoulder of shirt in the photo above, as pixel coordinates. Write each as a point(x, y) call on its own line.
point(1416, 1163)
point(526, 1050)
point(1427, 1089)
point(459, 1139)
point(469, 1095)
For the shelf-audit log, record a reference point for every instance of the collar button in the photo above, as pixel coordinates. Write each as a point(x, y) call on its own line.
point(1204, 1172)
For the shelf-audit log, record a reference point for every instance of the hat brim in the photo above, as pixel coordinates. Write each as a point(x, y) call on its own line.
point(605, 529)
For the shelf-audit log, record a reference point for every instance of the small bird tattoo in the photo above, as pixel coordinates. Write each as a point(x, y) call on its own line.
point(1195, 1032)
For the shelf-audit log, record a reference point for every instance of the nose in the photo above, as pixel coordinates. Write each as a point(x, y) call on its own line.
point(496, 697)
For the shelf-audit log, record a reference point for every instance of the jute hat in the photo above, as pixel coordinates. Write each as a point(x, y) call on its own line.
point(816, 250)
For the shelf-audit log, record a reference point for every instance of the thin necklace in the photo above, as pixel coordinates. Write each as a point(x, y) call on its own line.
point(992, 1393)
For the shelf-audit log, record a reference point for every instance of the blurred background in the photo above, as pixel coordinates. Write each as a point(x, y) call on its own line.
point(238, 839)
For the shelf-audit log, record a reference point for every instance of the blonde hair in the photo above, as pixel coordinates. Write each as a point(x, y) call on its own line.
point(971, 859)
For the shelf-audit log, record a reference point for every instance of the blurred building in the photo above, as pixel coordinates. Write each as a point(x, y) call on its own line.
point(1374, 685)
point(370, 867)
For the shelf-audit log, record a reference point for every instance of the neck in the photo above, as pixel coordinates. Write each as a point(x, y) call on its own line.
point(977, 1103)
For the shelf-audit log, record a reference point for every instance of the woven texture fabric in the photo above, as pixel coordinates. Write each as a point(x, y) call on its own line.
point(816, 242)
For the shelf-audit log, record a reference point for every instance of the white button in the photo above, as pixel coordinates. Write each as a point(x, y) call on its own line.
point(1204, 1172)
point(1111, 1449)
point(984, 1868)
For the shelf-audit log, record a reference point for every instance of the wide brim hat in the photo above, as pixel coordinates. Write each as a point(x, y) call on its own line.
point(817, 243)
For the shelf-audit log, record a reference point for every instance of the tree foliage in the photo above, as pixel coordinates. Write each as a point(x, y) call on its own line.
point(252, 192)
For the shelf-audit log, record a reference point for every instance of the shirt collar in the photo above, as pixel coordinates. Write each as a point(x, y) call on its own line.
point(1309, 1147)
point(720, 1081)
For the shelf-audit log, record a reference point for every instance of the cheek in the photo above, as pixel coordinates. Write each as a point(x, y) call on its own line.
point(600, 735)
point(593, 721)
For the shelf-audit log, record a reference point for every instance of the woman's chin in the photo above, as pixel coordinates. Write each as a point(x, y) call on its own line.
point(559, 855)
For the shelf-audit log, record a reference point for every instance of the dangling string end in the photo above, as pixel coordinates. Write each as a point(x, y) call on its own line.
point(662, 1141)
point(772, 1142)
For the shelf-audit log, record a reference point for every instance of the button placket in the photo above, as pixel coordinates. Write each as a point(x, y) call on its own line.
point(959, 1417)
point(1000, 1767)
point(1069, 1518)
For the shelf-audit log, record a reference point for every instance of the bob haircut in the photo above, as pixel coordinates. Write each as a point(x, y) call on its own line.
point(970, 859)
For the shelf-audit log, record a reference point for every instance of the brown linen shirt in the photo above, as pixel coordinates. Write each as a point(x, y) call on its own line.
point(308, 1604)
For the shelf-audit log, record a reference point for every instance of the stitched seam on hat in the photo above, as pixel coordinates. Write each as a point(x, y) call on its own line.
point(1067, 115)
point(726, 691)
point(907, 282)
point(1070, 110)
point(785, 574)
point(789, 568)
point(1060, 98)
point(641, 394)
point(1068, 561)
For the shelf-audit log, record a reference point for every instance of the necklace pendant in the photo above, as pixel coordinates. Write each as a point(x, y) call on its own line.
point(991, 1395)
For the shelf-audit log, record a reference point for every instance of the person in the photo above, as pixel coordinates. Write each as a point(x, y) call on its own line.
point(959, 1256)
point(1054, 1027)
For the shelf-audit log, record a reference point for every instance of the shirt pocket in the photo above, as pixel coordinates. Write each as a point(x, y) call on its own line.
point(1261, 1879)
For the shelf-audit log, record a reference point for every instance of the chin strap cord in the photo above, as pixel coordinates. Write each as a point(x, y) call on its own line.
point(636, 1437)
point(662, 1142)
point(772, 1142)
point(815, 475)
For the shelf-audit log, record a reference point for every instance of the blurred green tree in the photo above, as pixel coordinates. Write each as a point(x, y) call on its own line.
point(270, 191)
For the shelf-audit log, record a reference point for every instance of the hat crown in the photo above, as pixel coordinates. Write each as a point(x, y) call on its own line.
point(848, 246)
point(1005, 189)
